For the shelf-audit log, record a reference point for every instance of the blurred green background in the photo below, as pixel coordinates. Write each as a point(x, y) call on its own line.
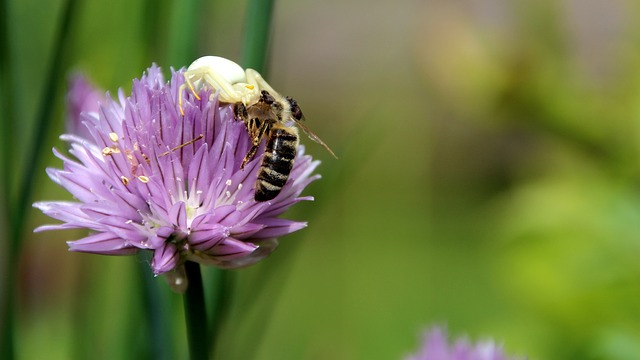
point(488, 178)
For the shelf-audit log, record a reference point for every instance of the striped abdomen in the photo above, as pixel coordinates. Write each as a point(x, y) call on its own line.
point(279, 155)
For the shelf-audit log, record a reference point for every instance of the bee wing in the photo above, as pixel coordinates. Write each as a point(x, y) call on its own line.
point(313, 136)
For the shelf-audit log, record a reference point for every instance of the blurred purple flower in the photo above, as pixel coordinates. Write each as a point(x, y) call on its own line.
point(82, 97)
point(436, 347)
point(147, 178)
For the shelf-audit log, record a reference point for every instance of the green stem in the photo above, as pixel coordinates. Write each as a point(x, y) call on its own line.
point(44, 118)
point(256, 34)
point(7, 119)
point(7, 115)
point(18, 205)
point(156, 305)
point(221, 291)
point(195, 313)
point(184, 31)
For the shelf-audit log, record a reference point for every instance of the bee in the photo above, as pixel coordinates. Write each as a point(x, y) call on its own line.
point(265, 113)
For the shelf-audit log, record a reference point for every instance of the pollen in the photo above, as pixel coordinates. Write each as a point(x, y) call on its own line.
point(110, 151)
point(124, 180)
point(228, 182)
point(143, 179)
point(114, 137)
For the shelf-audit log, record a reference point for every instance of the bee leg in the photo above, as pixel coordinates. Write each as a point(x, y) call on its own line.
point(240, 112)
point(249, 156)
point(256, 129)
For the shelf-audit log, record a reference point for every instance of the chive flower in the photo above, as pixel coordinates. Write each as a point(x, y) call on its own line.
point(145, 177)
point(435, 346)
point(82, 97)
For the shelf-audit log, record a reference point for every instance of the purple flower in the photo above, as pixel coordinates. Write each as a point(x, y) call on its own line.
point(147, 178)
point(82, 97)
point(436, 347)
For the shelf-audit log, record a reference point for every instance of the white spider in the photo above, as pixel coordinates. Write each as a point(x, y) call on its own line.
point(235, 84)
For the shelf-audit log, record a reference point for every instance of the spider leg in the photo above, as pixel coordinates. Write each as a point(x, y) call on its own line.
point(180, 97)
point(227, 92)
point(254, 78)
point(187, 83)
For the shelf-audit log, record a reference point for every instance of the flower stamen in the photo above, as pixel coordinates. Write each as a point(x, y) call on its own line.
point(110, 150)
point(114, 137)
point(182, 145)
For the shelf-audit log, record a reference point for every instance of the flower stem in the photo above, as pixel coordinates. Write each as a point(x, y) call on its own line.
point(221, 290)
point(195, 313)
point(256, 34)
point(184, 30)
point(157, 306)
point(7, 132)
point(7, 115)
point(19, 203)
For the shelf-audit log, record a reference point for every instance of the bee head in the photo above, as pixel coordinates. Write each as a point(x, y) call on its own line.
point(267, 98)
point(296, 113)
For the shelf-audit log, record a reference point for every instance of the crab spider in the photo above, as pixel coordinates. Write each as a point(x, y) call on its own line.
point(235, 85)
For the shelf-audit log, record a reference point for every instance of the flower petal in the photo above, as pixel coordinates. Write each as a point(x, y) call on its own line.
point(232, 248)
point(275, 227)
point(178, 215)
point(102, 243)
point(206, 234)
point(262, 251)
point(165, 259)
